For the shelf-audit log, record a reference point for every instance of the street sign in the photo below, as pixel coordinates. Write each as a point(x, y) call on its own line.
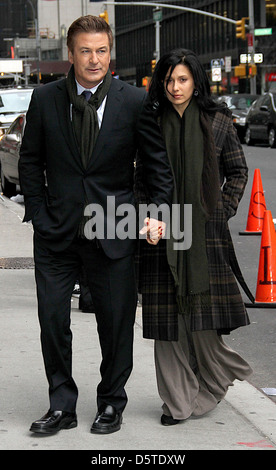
point(216, 74)
point(227, 64)
point(157, 15)
point(246, 58)
point(250, 40)
point(263, 32)
point(216, 62)
point(11, 66)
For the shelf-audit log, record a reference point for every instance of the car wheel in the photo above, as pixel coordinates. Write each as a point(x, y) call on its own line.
point(247, 138)
point(272, 138)
point(8, 189)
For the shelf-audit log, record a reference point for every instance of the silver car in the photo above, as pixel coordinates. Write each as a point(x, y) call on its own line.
point(9, 155)
point(13, 101)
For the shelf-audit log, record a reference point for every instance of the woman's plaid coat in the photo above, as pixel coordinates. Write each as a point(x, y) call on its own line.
point(155, 282)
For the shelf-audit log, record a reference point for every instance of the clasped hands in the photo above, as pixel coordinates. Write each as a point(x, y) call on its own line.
point(154, 229)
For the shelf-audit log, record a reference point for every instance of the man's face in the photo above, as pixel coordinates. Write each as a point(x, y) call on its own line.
point(90, 57)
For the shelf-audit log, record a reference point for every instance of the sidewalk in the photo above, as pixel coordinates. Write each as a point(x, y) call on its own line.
point(244, 420)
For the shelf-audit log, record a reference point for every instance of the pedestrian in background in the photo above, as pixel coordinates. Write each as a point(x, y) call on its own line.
point(190, 297)
point(83, 133)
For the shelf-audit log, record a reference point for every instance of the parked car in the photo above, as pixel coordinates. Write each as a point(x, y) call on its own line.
point(239, 103)
point(9, 155)
point(13, 101)
point(261, 121)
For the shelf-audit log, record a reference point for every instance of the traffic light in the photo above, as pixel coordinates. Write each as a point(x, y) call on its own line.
point(252, 70)
point(104, 15)
point(240, 71)
point(146, 82)
point(245, 70)
point(240, 29)
point(153, 64)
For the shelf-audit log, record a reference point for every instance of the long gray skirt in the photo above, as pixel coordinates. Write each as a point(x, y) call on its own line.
point(194, 373)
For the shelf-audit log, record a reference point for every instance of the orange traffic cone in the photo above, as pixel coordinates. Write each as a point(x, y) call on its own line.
point(257, 207)
point(266, 283)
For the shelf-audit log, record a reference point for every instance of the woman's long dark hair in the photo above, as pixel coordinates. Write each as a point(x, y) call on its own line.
point(169, 61)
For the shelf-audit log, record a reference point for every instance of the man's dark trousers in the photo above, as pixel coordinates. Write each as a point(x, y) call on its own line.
point(113, 286)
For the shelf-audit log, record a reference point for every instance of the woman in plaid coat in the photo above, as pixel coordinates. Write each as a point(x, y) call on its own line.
point(190, 296)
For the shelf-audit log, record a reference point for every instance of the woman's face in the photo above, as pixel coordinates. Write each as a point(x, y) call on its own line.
point(179, 87)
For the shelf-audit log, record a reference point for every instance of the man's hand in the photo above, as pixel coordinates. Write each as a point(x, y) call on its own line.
point(155, 230)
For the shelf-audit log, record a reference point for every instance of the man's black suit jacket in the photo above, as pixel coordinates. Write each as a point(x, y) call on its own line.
point(49, 148)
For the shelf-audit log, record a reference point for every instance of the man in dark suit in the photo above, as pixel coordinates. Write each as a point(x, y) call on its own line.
point(78, 152)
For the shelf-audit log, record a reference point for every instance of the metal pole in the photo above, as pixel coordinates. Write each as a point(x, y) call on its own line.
point(173, 7)
point(157, 17)
point(251, 50)
point(35, 18)
point(157, 40)
point(58, 16)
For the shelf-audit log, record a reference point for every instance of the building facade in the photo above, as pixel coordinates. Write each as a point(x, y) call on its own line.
point(209, 37)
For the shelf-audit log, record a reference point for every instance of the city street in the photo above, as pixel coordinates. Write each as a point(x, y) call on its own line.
point(74, 117)
point(244, 420)
point(256, 342)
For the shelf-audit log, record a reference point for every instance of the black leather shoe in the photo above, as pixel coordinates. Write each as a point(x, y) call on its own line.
point(169, 420)
point(86, 307)
point(107, 420)
point(53, 421)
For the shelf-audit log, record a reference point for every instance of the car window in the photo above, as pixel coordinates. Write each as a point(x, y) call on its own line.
point(254, 104)
point(242, 103)
point(260, 101)
point(239, 102)
point(266, 101)
point(15, 102)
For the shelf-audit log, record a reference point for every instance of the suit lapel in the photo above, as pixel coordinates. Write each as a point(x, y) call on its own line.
point(63, 111)
point(112, 109)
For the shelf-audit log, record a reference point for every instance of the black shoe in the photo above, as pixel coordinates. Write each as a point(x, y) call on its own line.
point(53, 421)
point(107, 421)
point(88, 308)
point(169, 420)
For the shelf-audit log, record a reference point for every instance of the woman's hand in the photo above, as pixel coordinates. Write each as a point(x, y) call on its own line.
point(154, 229)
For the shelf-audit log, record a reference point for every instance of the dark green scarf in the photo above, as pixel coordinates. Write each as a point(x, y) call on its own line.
point(85, 122)
point(185, 143)
point(84, 114)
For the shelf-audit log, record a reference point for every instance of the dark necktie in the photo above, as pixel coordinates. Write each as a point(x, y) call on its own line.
point(87, 94)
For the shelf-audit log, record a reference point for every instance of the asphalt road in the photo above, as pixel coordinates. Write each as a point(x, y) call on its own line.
point(256, 342)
